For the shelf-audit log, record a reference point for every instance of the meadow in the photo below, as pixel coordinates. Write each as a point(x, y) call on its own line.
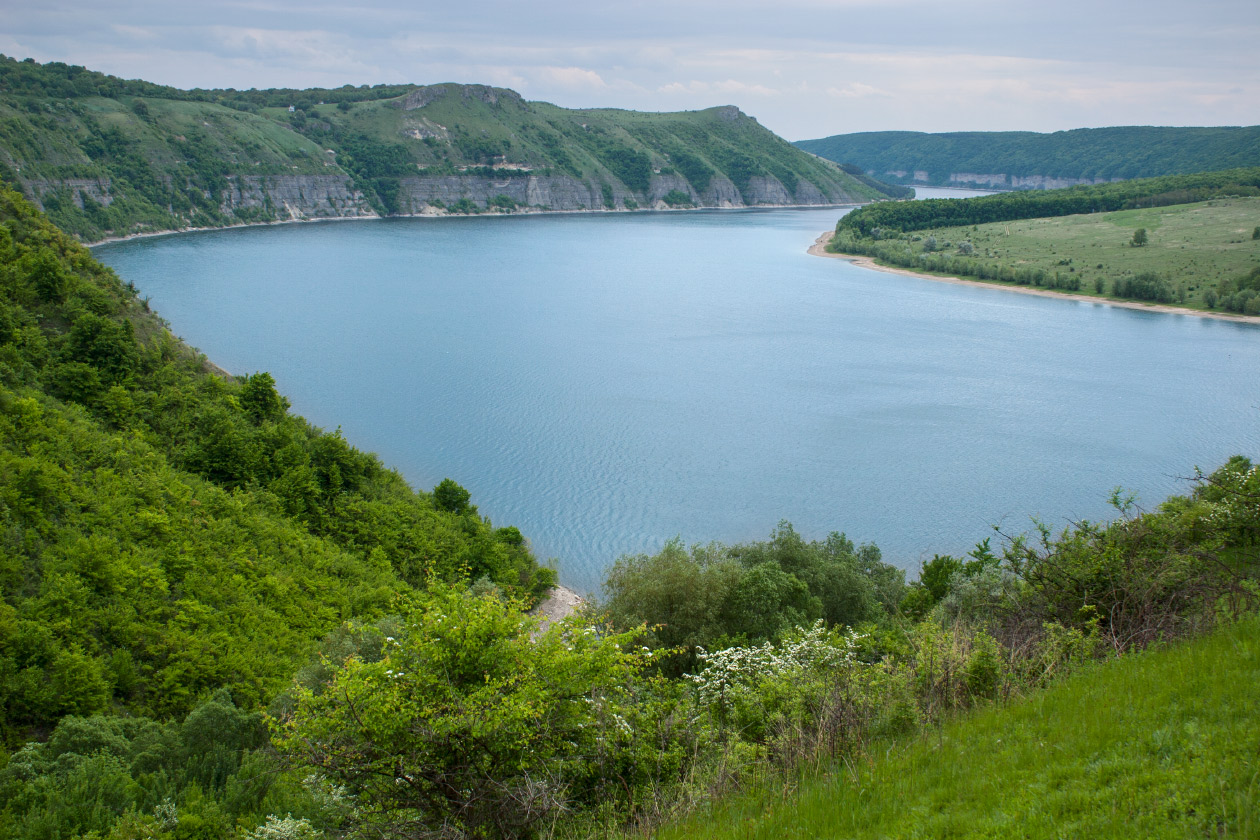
point(1196, 246)
point(1084, 758)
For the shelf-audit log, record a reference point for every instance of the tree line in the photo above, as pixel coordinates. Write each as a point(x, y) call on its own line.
point(884, 219)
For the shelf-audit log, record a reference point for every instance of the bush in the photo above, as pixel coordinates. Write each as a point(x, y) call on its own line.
point(473, 719)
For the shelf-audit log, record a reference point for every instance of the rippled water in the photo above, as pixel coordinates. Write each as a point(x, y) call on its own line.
point(608, 382)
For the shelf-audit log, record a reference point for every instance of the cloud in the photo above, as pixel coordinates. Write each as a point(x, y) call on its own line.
point(855, 90)
point(572, 78)
point(726, 86)
point(804, 68)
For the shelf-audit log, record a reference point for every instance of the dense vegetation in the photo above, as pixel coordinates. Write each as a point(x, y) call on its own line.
point(1086, 154)
point(104, 156)
point(1159, 745)
point(175, 545)
point(218, 621)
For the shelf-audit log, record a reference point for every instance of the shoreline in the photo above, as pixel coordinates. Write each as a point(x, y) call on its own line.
point(818, 249)
point(443, 215)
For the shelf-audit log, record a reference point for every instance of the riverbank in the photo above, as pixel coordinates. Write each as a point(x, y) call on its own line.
point(819, 249)
point(439, 214)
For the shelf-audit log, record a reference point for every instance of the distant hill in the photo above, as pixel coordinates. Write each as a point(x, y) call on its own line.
point(1027, 160)
point(105, 156)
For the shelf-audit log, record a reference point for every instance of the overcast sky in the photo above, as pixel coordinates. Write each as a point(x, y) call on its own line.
point(804, 68)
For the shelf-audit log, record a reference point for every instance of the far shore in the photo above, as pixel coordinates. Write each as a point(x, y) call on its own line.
point(443, 215)
point(819, 249)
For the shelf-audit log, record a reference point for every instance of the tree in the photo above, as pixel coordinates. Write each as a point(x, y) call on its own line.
point(471, 723)
point(1139, 238)
point(452, 498)
point(260, 399)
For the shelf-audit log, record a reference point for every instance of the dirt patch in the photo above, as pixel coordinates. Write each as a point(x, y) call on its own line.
point(560, 603)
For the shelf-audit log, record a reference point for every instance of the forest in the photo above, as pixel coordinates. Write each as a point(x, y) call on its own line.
point(219, 621)
point(1085, 154)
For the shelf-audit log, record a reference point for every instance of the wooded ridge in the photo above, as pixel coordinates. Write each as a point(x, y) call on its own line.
point(1028, 160)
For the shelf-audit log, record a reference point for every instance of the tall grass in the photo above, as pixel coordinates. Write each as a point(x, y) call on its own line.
point(1165, 743)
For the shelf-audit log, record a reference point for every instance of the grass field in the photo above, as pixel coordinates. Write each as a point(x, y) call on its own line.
point(1194, 246)
point(1162, 744)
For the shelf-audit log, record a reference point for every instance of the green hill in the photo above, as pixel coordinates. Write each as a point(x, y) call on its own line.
point(167, 532)
point(1162, 744)
point(106, 157)
point(1028, 160)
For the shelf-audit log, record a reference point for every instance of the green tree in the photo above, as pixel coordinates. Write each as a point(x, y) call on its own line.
point(260, 399)
point(1139, 238)
point(452, 498)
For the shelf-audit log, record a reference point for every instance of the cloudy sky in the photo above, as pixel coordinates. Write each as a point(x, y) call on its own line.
point(805, 68)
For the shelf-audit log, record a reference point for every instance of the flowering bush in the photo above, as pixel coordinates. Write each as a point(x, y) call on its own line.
point(754, 691)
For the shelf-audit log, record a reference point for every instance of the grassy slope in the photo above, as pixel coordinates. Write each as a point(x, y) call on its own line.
point(543, 136)
point(1160, 744)
point(1102, 153)
point(165, 155)
point(1197, 245)
point(164, 169)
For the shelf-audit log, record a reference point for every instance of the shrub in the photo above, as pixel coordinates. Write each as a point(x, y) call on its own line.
point(473, 720)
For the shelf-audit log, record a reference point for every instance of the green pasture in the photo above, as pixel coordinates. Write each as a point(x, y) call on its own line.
point(1194, 246)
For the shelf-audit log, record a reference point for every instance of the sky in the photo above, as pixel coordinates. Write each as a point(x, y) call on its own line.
point(804, 68)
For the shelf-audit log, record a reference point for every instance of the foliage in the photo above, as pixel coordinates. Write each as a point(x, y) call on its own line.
point(677, 198)
point(755, 592)
point(179, 779)
point(168, 532)
point(1139, 238)
point(1159, 745)
point(472, 720)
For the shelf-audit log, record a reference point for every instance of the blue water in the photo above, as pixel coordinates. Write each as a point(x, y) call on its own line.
point(608, 382)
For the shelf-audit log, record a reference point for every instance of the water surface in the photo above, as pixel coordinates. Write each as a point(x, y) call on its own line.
point(606, 382)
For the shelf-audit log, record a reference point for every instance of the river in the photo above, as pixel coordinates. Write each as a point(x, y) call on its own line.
point(608, 381)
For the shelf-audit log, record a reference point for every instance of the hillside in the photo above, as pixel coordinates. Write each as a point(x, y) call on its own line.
point(106, 157)
point(1028, 160)
point(1079, 760)
point(167, 532)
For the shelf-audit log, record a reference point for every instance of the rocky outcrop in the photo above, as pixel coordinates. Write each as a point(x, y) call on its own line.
point(553, 192)
point(423, 96)
point(95, 189)
point(263, 197)
point(434, 193)
point(271, 198)
point(296, 196)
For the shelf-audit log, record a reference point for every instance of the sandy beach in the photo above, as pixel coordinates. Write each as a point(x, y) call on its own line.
point(819, 249)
